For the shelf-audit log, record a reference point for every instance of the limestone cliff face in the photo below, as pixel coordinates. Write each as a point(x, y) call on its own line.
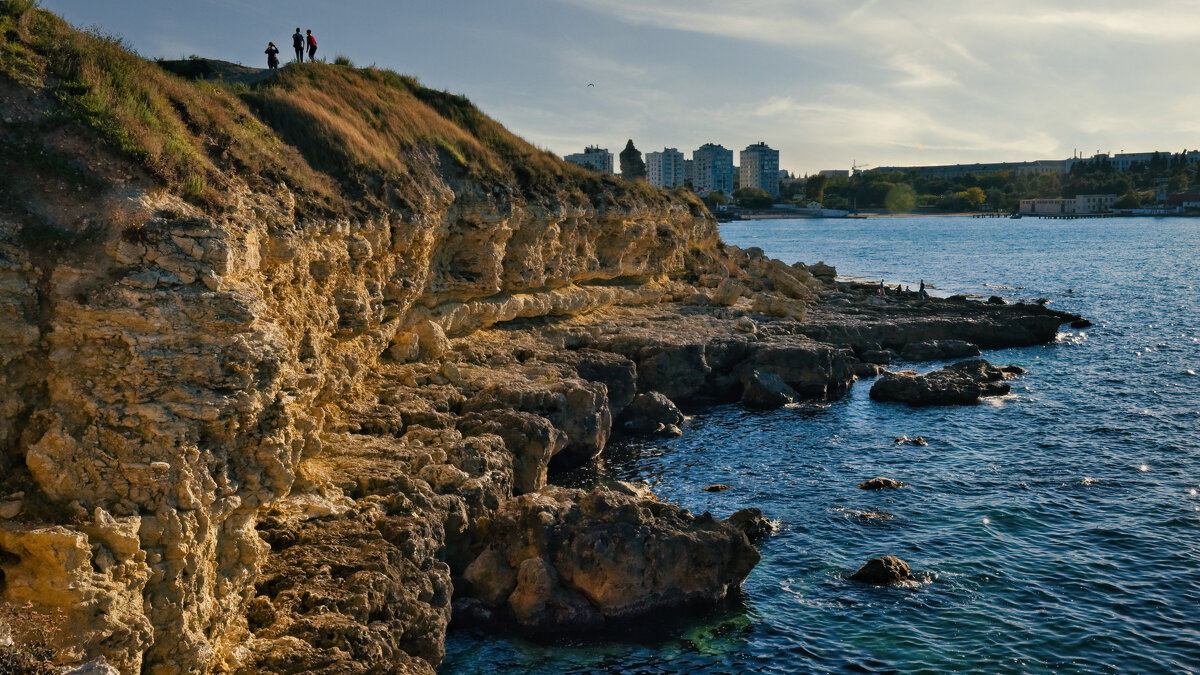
point(170, 370)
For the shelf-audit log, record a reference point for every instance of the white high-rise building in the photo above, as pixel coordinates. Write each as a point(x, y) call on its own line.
point(665, 169)
point(592, 157)
point(759, 168)
point(713, 168)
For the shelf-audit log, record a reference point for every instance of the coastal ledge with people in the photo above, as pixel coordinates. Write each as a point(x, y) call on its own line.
point(287, 385)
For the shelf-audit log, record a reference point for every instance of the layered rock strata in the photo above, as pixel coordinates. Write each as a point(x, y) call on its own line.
point(281, 428)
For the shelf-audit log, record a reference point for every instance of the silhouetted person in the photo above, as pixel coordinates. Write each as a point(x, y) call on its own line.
point(298, 43)
point(272, 56)
point(312, 45)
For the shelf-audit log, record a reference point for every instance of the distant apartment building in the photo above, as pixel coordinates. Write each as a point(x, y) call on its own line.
point(592, 157)
point(1080, 205)
point(713, 168)
point(834, 173)
point(665, 169)
point(689, 171)
point(759, 168)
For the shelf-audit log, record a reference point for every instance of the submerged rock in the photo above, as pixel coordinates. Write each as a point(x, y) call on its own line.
point(883, 571)
point(881, 483)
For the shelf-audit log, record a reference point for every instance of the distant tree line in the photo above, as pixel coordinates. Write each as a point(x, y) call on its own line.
point(997, 191)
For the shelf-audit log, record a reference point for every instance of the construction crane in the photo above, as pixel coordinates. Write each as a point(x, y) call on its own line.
point(855, 166)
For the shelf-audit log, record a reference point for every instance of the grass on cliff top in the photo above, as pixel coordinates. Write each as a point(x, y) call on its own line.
point(184, 133)
point(350, 121)
point(325, 130)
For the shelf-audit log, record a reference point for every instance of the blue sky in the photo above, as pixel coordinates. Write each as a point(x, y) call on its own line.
point(893, 82)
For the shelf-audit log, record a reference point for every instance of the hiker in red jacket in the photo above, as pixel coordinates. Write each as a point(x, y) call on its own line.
point(312, 45)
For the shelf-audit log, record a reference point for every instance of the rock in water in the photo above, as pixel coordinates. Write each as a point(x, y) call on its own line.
point(883, 571)
point(881, 483)
point(588, 557)
point(962, 383)
point(764, 390)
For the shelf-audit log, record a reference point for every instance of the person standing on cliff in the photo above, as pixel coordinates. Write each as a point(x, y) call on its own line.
point(298, 43)
point(272, 56)
point(312, 45)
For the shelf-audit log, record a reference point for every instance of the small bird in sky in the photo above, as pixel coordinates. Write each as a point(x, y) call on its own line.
point(590, 84)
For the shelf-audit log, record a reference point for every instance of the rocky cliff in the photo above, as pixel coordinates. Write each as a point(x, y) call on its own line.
point(286, 367)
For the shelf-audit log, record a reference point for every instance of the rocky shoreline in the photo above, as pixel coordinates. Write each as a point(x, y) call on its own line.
point(518, 403)
point(294, 421)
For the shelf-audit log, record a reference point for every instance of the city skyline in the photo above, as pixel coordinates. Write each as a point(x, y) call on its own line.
point(917, 83)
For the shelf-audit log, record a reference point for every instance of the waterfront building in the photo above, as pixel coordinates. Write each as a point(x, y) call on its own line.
point(713, 167)
point(592, 157)
point(1080, 205)
point(758, 167)
point(665, 169)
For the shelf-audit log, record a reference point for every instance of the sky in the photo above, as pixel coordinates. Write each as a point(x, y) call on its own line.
point(828, 84)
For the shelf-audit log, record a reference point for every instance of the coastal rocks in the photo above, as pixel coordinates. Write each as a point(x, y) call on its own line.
point(579, 556)
point(764, 390)
point(881, 483)
point(651, 414)
point(883, 571)
point(753, 523)
point(938, 350)
point(1081, 323)
point(962, 383)
point(903, 440)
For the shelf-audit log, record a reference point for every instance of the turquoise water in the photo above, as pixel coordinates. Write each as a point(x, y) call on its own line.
point(1056, 530)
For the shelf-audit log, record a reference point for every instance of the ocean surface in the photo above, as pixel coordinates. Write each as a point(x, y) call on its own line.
point(1055, 530)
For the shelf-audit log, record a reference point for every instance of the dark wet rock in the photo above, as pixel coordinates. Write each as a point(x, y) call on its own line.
point(1081, 323)
point(649, 414)
point(764, 390)
point(752, 522)
point(715, 487)
point(939, 350)
point(962, 383)
point(617, 372)
point(472, 613)
point(996, 300)
point(883, 571)
point(870, 516)
point(919, 440)
point(865, 371)
point(878, 356)
point(881, 483)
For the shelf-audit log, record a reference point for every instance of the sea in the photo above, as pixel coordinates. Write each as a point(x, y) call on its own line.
point(1054, 530)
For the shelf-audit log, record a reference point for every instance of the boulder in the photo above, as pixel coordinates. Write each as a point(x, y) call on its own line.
point(585, 558)
point(617, 373)
point(1081, 323)
point(822, 271)
point(883, 571)
point(962, 383)
point(764, 390)
point(881, 483)
point(650, 413)
point(728, 292)
point(753, 523)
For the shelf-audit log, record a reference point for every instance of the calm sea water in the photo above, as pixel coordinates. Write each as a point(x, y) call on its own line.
point(1056, 530)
